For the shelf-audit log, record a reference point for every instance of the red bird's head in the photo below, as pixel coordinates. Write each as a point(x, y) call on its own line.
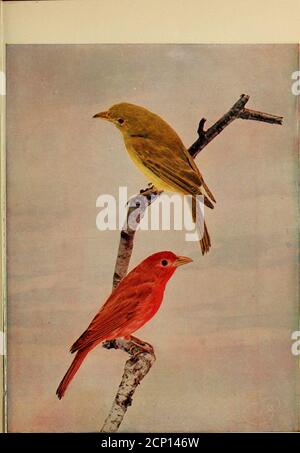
point(162, 265)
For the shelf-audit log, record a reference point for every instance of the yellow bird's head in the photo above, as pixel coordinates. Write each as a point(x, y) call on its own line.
point(136, 121)
point(130, 119)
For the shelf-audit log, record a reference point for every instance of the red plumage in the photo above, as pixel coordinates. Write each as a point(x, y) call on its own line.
point(133, 303)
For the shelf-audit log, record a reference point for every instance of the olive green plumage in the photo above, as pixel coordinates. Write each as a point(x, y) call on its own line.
point(160, 155)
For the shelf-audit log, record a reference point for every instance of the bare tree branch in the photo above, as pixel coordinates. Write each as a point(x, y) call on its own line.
point(247, 114)
point(136, 367)
point(142, 354)
point(141, 201)
point(237, 111)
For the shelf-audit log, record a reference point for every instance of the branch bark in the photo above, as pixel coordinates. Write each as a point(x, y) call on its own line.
point(142, 354)
point(136, 367)
point(237, 111)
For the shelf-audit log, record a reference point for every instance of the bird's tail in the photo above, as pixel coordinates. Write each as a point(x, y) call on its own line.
point(198, 219)
point(205, 241)
point(207, 190)
point(80, 356)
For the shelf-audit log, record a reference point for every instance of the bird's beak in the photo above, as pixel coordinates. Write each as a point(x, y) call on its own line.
point(181, 260)
point(104, 115)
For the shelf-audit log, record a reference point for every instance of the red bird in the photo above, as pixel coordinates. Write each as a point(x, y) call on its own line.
point(133, 303)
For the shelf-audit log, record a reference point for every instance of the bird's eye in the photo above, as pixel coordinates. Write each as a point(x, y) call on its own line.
point(164, 263)
point(120, 121)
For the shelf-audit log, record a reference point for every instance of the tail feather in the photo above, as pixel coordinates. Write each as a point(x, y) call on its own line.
point(207, 190)
point(208, 203)
point(79, 343)
point(205, 242)
point(80, 356)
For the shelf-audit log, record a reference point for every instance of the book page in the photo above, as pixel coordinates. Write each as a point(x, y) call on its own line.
point(225, 337)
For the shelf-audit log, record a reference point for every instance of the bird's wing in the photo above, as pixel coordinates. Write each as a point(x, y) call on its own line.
point(203, 183)
point(175, 167)
point(119, 309)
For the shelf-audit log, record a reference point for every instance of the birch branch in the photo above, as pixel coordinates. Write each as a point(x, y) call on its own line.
point(136, 367)
point(142, 354)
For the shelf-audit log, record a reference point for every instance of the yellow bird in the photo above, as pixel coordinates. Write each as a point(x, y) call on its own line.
point(160, 155)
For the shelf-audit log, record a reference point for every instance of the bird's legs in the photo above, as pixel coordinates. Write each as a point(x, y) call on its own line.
point(141, 345)
point(150, 193)
point(151, 189)
point(134, 345)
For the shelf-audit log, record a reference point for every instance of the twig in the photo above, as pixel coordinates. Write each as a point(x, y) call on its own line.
point(141, 360)
point(238, 110)
point(141, 201)
point(247, 114)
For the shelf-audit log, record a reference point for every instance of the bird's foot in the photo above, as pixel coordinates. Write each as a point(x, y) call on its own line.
point(141, 345)
point(151, 189)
